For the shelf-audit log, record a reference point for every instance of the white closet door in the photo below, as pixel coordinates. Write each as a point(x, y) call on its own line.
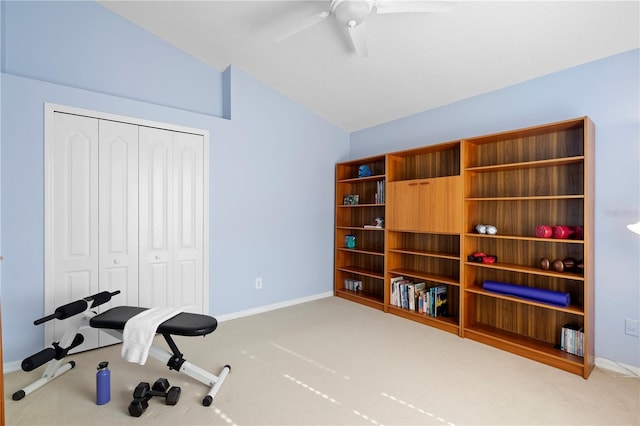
point(189, 219)
point(125, 209)
point(72, 227)
point(156, 223)
point(118, 214)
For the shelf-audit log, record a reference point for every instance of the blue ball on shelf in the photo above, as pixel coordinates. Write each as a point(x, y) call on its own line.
point(364, 171)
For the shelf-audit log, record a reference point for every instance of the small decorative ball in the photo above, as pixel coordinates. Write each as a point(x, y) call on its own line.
point(364, 171)
point(491, 230)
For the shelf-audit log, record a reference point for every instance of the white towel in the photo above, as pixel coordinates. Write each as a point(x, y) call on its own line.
point(140, 330)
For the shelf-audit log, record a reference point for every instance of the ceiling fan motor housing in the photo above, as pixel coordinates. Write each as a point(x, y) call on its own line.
point(351, 12)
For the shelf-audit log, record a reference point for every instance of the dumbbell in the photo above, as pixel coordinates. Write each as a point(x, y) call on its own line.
point(565, 265)
point(563, 232)
point(143, 393)
point(486, 229)
point(560, 232)
point(480, 257)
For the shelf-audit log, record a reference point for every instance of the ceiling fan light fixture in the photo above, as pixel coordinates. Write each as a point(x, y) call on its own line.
point(351, 12)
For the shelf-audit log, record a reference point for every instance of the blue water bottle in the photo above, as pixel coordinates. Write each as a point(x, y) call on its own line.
point(103, 384)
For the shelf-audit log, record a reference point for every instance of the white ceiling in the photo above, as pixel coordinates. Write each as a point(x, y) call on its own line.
point(416, 62)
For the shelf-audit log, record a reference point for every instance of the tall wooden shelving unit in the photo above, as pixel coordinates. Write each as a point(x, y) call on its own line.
point(517, 180)
point(436, 195)
point(423, 243)
point(365, 262)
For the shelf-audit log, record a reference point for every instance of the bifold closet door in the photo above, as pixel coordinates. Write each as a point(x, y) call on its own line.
point(71, 264)
point(171, 218)
point(118, 215)
point(94, 226)
point(124, 210)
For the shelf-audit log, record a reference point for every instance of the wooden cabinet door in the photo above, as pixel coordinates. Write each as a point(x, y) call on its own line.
point(403, 203)
point(426, 205)
point(440, 206)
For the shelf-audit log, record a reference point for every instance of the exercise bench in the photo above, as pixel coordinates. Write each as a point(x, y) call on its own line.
point(112, 322)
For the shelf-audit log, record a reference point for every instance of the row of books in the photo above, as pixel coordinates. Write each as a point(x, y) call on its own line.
point(572, 339)
point(352, 284)
point(379, 197)
point(418, 297)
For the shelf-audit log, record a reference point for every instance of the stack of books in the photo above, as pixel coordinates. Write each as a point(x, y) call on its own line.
point(572, 339)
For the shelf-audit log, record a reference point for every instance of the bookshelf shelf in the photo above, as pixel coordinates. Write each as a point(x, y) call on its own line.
point(520, 238)
point(369, 299)
point(448, 324)
point(432, 199)
point(575, 310)
point(425, 276)
point(562, 161)
point(526, 270)
point(527, 347)
point(425, 253)
point(361, 251)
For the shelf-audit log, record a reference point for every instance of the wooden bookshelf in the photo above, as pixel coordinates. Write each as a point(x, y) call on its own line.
point(434, 198)
point(366, 261)
point(516, 180)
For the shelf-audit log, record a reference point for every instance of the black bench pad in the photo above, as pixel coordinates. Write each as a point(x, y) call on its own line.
point(183, 324)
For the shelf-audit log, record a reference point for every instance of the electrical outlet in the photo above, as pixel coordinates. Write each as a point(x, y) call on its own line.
point(631, 327)
point(259, 286)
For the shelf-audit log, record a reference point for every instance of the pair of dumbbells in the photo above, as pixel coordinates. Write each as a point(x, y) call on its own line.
point(143, 393)
point(568, 264)
point(486, 229)
point(559, 232)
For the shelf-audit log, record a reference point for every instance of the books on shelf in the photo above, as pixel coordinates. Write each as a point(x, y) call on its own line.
point(440, 303)
point(379, 197)
point(417, 297)
point(572, 339)
point(352, 284)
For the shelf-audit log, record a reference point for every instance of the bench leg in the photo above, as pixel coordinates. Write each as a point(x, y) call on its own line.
point(54, 369)
point(195, 372)
point(203, 376)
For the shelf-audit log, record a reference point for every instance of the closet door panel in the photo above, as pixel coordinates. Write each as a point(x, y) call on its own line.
point(72, 231)
point(155, 217)
point(189, 220)
point(118, 217)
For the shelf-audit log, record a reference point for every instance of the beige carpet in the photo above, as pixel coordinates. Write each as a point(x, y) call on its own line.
point(332, 362)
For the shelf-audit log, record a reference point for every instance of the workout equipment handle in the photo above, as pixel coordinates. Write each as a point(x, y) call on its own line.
point(101, 298)
point(74, 308)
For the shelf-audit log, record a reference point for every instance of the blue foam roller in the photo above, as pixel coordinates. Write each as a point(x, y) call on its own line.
point(538, 294)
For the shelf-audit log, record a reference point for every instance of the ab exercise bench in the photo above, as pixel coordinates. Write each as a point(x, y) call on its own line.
point(113, 322)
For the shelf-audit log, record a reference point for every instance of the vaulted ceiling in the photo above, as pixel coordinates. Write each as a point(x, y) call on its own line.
point(415, 61)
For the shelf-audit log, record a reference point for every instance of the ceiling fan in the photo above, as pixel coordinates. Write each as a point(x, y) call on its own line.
point(352, 14)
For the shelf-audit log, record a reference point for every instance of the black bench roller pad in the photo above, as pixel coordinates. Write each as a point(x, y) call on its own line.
point(183, 324)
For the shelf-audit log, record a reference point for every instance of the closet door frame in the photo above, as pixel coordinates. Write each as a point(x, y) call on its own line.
point(49, 141)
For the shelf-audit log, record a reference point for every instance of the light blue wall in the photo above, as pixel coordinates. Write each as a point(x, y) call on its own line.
point(108, 55)
point(608, 91)
point(271, 166)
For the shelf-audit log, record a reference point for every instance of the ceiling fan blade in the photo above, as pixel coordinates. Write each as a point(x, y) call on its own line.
point(359, 38)
point(412, 6)
point(303, 25)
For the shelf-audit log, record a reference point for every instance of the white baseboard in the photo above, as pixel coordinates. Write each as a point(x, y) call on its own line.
point(11, 367)
point(617, 367)
point(273, 307)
